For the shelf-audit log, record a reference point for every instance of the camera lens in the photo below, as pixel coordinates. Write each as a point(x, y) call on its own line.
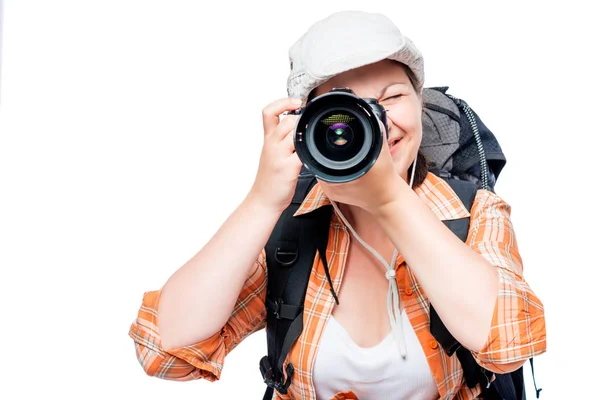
point(338, 136)
point(338, 139)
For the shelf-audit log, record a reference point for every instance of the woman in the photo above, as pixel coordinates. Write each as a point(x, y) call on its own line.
point(361, 347)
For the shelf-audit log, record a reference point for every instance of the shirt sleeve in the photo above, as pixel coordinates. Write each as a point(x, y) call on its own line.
point(518, 328)
point(203, 360)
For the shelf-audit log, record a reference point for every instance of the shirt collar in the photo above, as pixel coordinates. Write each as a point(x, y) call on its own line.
point(434, 192)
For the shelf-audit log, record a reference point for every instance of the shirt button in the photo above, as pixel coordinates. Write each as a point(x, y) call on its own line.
point(433, 344)
point(408, 291)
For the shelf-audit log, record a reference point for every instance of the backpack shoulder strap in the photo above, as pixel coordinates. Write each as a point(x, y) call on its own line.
point(290, 253)
point(466, 192)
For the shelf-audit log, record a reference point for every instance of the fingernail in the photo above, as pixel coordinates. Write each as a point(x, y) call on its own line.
point(297, 101)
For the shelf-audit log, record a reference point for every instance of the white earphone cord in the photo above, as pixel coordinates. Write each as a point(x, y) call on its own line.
point(394, 305)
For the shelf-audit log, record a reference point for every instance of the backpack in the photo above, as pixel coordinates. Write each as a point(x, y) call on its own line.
point(461, 150)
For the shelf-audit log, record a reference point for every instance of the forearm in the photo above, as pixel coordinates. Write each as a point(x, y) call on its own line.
point(199, 297)
point(461, 285)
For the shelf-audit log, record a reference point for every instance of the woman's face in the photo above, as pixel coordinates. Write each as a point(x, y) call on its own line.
point(388, 82)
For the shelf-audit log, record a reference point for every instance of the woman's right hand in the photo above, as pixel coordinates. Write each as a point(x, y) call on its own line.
point(279, 165)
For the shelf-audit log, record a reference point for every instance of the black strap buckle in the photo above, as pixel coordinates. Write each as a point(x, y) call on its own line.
point(268, 374)
point(277, 308)
point(282, 310)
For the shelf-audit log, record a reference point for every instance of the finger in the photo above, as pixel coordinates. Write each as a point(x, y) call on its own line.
point(271, 113)
point(288, 143)
point(287, 125)
point(296, 162)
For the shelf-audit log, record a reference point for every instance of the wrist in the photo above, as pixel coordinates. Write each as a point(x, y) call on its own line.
point(257, 206)
point(385, 210)
point(389, 207)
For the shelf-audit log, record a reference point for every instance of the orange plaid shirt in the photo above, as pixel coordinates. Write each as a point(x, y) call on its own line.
point(517, 331)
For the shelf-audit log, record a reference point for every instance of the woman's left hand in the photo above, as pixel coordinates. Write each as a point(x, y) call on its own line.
point(381, 185)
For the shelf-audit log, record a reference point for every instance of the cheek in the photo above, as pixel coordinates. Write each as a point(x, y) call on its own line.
point(408, 119)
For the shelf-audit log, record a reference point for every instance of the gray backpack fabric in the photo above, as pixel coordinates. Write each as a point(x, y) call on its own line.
point(456, 142)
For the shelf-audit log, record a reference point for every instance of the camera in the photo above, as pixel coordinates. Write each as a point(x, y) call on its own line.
point(339, 135)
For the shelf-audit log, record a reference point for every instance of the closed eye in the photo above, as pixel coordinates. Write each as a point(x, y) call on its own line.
point(393, 97)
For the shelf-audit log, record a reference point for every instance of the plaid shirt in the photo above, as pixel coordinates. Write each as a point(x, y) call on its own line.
point(517, 331)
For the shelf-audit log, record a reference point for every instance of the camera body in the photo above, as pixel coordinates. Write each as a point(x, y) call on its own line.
point(339, 135)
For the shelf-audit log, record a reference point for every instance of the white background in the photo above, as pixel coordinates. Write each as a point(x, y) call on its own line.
point(131, 129)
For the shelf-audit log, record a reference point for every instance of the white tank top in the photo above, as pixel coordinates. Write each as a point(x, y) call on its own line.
point(372, 373)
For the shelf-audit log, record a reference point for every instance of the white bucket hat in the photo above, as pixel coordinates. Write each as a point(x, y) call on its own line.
point(347, 40)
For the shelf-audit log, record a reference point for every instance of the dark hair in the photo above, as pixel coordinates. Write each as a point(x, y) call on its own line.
point(422, 162)
point(421, 171)
point(411, 77)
